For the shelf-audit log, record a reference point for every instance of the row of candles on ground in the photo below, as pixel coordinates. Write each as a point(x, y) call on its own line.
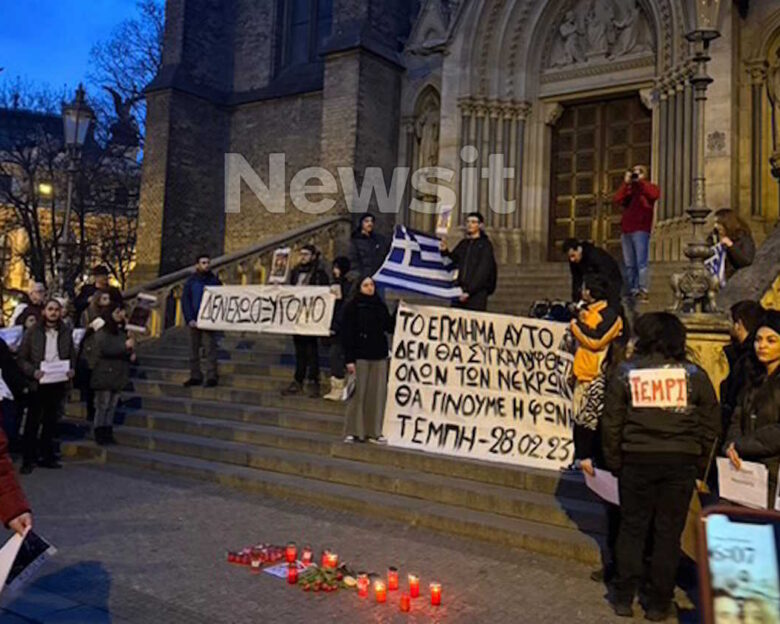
point(331, 560)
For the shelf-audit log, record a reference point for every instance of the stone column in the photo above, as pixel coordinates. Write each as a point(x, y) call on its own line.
point(679, 154)
point(406, 215)
point(688, 151)
point(671, 164)
point(757, 71)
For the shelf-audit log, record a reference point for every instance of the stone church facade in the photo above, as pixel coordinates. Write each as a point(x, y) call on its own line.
point(566, 93)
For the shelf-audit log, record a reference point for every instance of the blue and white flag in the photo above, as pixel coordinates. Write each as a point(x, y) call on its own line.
point(716, 263)
point(415, 264)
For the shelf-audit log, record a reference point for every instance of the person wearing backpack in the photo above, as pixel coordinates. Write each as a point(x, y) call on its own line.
point(476, 263)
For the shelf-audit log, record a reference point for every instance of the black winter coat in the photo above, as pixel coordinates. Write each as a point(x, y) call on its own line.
point(659, 435)
point(365, 325)
point(111, 368)
point(314, 275)
point(596, 260)
point(366, 253)
point(338, 309)
point(476, 262)
point(740, 254)
point(743, 370)
point(755, 426)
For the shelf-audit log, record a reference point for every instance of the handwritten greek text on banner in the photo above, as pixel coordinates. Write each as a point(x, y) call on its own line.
point(483, 386)
point(302, 310)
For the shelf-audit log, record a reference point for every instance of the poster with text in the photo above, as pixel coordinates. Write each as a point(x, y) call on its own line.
point(293, 310)
point(481, 386)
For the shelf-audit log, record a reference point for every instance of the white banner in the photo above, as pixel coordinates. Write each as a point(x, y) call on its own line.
point(477, 385)
point(302, 310)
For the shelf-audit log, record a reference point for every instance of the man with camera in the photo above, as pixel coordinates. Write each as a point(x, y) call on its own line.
point(637, 196)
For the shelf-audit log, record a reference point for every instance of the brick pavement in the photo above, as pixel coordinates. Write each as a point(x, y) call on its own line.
point(141, 547)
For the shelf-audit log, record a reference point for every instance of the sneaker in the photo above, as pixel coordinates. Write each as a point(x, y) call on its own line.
point(192, 382)
point(26, 469)
point(379, 440)
point(293, 389)
point(211, 383)
point(349, 440)
point(623, 609)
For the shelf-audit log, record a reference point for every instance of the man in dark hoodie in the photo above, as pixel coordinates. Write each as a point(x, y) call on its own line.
point(476, 264)
point(367, 249)
point(190, 304)
point(308, 272)
point(584, 257)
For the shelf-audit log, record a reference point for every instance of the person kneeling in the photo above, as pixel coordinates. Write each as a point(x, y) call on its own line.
point(113, 352)
point(366, 321)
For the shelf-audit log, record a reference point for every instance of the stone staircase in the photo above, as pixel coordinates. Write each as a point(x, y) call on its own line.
point(245, 435)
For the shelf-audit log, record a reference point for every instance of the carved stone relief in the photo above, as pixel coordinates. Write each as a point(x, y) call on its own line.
point(600, 31)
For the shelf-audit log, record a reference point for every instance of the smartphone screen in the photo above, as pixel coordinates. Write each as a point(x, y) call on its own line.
point(742, 561)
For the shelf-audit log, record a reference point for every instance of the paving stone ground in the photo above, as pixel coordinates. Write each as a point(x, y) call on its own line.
point(145, 548)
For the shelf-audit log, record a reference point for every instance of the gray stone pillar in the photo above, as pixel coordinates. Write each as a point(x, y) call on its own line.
point(662, 151)
point(679, 154)
point(687, 140)
point(757, 81)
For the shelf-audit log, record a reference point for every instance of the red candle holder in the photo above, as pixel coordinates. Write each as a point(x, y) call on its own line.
point(291, 552)
point(414, 586)
point(380, 591)
point(324, 558)
point(292, 574)
point(362, 585)
point(307, 555)
point(392, 579)
point(332, 560)
point(406, 603)
point(435, 594)
point(256, 560)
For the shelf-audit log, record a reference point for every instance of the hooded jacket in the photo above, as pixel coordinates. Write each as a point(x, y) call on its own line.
point(599, 326)
point(366, 253)
point(365, 325)
point(634, 434)
point(476, 264)
point(193, 293)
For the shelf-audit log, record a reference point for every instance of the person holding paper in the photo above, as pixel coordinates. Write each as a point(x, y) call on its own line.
point(191, 297)
point(114, 351)
point(92, 320)
point(660, 422)
point(476, 262)
point(755, 426)
point(48, 346)
point(366, 323)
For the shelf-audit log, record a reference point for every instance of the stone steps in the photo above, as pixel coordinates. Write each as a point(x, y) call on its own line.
point(252, 381)
point(491, 527)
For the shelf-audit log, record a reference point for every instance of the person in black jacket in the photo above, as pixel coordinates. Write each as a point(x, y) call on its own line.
point(13, 396)
point(586, 258)
point(87, 292)
point(367, 249)
point(366, 323)
point(659, 427)
point(308, 272)
point(734, 234)
point(754, 434)
point(191, 297)
point(341, 286)
point(477, 272)
point(740, 353)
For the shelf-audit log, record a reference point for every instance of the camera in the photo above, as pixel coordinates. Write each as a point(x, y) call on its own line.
point(634, 176)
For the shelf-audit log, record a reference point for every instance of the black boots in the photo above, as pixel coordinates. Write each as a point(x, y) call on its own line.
point(104, 436)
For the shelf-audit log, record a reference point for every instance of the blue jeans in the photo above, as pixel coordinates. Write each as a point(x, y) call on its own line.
point(636, 249)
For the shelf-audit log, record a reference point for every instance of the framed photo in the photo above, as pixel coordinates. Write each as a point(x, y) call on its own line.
point(280, 266)
point(444, 221)
point(139, 317)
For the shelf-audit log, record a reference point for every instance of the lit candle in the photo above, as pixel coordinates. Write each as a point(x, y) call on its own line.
point(414, 586)
point(292, 574)
point(380, 591)
point(291, 552)
point(406, 602)
point(256, 560)
point(392, 579)
point(306, 555)
point(435, 594)
point(362, 585)
point(332, 560)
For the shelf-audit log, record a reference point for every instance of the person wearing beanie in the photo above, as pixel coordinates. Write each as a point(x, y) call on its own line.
point(341, 287)
point(367, 249)
point(308, 272)
point(754, 434)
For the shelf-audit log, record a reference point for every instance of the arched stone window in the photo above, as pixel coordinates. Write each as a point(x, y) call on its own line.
point(305, 25)
point(425, 148)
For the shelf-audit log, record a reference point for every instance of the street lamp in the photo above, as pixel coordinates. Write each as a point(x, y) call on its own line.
point(695, 287)
point(76, 119)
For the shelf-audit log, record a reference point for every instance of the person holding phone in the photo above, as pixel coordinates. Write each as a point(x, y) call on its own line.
point(637, 196)
point(754, 433)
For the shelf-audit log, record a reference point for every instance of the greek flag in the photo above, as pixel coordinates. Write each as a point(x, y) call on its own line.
point(716, 263)
point(415, 264)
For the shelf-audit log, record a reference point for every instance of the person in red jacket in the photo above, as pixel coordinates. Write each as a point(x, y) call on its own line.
point(637, 196)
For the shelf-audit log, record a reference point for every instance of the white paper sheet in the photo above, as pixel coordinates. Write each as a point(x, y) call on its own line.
point(605, 485)
point(54, 372)
point(8, 555)
point(747, 486)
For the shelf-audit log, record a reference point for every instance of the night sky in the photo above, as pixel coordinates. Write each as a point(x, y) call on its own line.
point(48, 41)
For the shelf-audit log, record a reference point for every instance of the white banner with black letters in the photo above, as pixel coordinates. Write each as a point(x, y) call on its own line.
point(297, 310)
point(482, 386)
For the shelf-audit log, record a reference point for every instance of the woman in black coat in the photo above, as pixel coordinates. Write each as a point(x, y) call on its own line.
point(754, 434)
point(734, 234)
point(364, 328)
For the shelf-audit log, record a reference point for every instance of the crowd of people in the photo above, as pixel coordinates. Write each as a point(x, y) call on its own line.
point(657, 451)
